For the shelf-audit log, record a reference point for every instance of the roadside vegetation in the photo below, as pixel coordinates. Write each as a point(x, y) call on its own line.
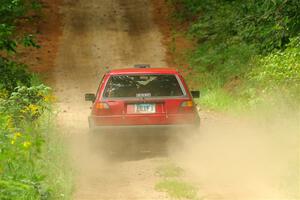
point(245, 51)
point(32, 157)
point(173, 184)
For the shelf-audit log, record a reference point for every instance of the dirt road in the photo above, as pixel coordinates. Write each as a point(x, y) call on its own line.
point(99, 34)
point(96, 35)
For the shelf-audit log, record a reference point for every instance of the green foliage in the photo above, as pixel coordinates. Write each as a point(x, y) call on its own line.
point(217, 99)
point(173, 184)
point(13, 75)
point(188, 9)
point(246, 49)
point(12, 11)
point(222, 63)
point(169, 170)
point(26, 158)
point(177, 189)
point(278, 69)
point(274, 76)
point(21, 144)
point(28, 148)
point(7, 43)
point(27, 103)
point(268, 24)
point(55, 163)
point(29, 41)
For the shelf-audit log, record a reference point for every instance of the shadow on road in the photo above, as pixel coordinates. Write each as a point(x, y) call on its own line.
point(132, 146)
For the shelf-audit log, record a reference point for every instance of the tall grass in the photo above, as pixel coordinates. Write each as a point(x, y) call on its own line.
point(33, 162)
point(55, 163)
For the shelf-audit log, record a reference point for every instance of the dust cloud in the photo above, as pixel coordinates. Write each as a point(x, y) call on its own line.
point(250, 157)
point(255, 158)
point(115, 165)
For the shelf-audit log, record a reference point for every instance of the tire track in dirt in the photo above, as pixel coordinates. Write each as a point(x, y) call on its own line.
point(99, 34)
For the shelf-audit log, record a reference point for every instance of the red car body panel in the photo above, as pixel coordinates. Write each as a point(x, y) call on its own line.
point(168, 110)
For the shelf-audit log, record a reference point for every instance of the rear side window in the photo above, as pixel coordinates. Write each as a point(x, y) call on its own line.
point(143, 86)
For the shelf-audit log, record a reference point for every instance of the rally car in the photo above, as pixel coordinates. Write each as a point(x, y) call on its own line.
point(143, 97)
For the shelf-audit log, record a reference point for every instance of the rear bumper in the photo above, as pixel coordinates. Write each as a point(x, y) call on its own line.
point(157, 120)
point(143, 128)
point(173, 127)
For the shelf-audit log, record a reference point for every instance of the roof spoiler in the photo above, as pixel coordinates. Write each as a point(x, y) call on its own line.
point(141, 66)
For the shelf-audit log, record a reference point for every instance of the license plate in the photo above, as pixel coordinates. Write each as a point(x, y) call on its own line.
point(144, 108)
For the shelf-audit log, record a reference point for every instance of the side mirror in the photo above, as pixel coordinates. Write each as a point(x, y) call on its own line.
point(195, 94)
point(90, 97)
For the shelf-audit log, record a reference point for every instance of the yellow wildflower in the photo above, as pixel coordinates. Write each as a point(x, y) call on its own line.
point(40, 94)
point(26, 144)
point(10, 123)
point(12, 142)
point(49, 98)
point(24, 110)
point(3, 94)
point(33, 108)
point(17, 134)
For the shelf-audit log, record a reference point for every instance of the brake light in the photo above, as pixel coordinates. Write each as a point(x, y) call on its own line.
point(187, 104)
point(186, 107)
point(102, 106)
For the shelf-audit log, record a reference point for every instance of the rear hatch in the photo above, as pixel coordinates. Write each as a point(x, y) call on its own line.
point(143, 99)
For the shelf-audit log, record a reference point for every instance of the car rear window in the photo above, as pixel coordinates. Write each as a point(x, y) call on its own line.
point(143, 86)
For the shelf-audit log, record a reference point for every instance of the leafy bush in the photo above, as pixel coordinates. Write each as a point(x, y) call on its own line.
point(20, 147)
point(223, 62)
point(188, 9)
point(28, 147)
point(25, 158)
point(279, 69)
point(268, 24)
point(27, 104)
point(246, 49)
point(12, 9)
point(11, 12)
point(277, 75)
point(13, 75)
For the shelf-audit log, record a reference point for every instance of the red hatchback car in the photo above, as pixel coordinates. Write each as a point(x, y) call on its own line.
point(143, 97)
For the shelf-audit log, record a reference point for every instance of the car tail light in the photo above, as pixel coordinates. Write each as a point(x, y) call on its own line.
point(186, 104)
point(102, 106)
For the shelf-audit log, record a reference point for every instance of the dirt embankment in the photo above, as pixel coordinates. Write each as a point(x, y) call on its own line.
point(176, 43)
point(46, 26)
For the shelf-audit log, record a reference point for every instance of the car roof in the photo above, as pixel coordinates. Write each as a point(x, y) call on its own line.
point(126, 71)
